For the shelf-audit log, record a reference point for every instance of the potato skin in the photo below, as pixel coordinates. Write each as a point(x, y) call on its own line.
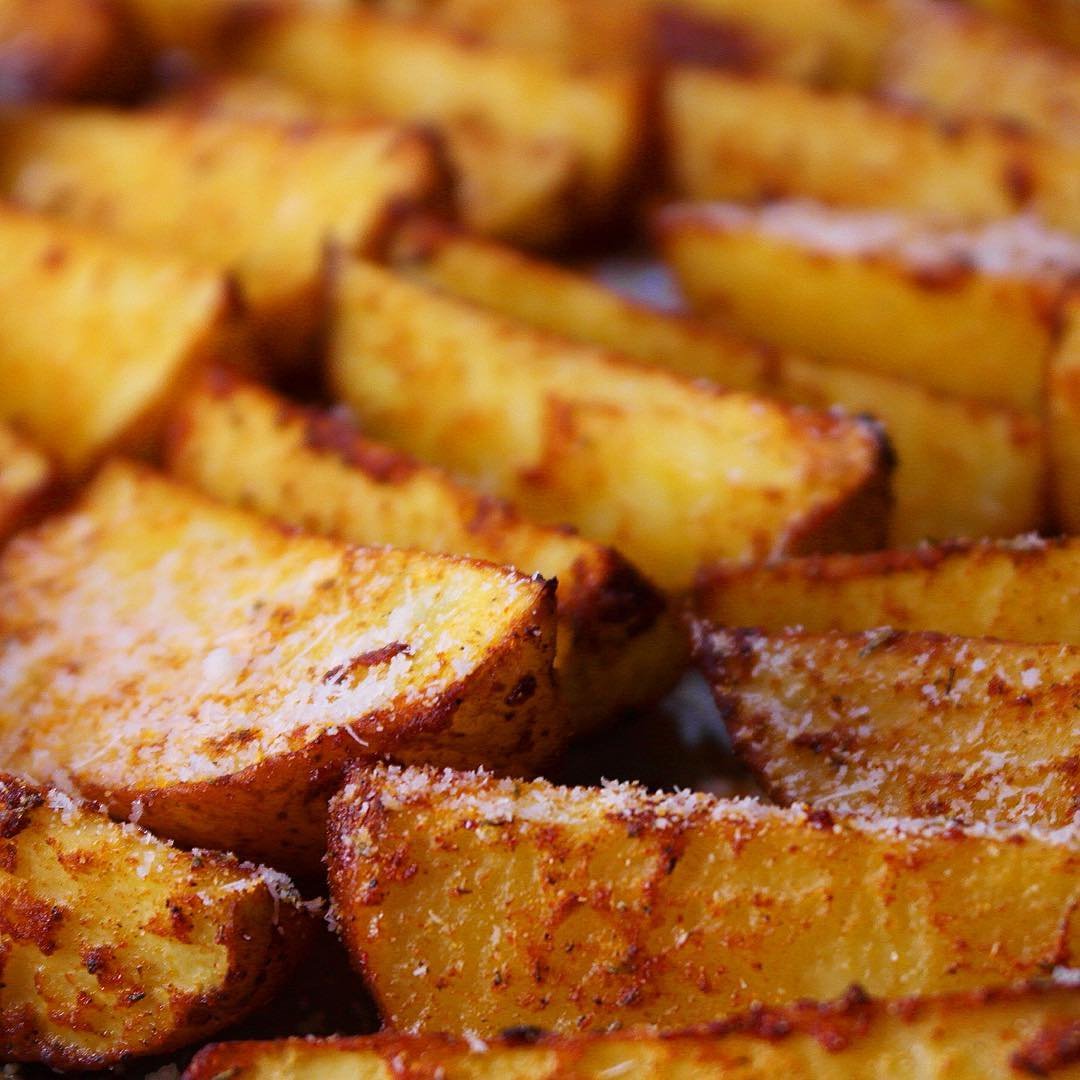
point(981, 1036)
point(471, 904)
point(114, 944)
point(902, 724)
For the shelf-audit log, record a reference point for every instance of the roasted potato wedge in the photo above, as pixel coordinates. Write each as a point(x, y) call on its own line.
point(963, 64)
point(1064, 411)
point(26, 479)
point(97, 337)
point(472, 904)
point(903, 724)
point(856, 151)
point(618, 643)
point(257, 199)
point(116, 945)
point(1026, 590)
point(209, 704)
point(970, 312)
point(673, 473)
point(407, 71)
point(984, 1036)
point(964, 468)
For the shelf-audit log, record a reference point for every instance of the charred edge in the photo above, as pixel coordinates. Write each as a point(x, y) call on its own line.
point(341, 672)
point(1054, 1047)
point(17, 802)
point(326, 433)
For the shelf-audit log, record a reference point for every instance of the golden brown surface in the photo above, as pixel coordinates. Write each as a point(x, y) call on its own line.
point(907, 725)
point(116, 944)
point(964, 468)
point(577, 434)
point(98, 337)
point(209, 673)
point(26, 479)
point(857, 151)
point(967, 1037)
point(1063, 398)
point(618, 643)
point(473, 905)
point(257, 199)
point(1025, 590)
point(1058, 21)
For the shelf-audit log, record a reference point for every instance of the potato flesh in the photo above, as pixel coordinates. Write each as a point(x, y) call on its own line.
point(115, 943)
point(905, 725)
point(209, 703)
point(1023, 591)
point(976, 1037)
point(473, 905)
point(964, 468)
point(617, 645)
point(1063, 403)
point(848, 150)
point(96, 337)
point(673, 474)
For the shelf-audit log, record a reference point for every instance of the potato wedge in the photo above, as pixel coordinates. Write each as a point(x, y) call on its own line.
point(983, 1036)
point(964, 468)
point(1064, 412)
point(411, 72)
point(1058, 21)
point(618, 643)
point(97, 337)
point(970, 312)
point(207, 704)
point(115, 944)
point(854, 151)
point(903, 724)
point(587, 907)
point(259, 200)
point(26, 479)
point(518, 189)
point(963, 64)
point(1026, 590)
point(671, 472)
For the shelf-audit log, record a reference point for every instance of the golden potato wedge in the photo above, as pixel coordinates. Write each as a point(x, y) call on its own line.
point(519, 189)
point(903, 724)
point(26, 479)
point(618, 643)
point(1026, 590)
point(851, 150)
point(116, 945)
point(964, 468)
point(671, 472)
point(982, 1036)
point(472, 904)
point(207, 673)
point(63, 49)
point(408, 71)
point(970, 312)
point(1058, 21)
point(257, 199)
point(1064, 411)
point(963, 64)
point(97, 337)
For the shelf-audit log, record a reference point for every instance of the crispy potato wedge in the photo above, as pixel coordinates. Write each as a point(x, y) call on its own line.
point(983, 1036)
point(970, 312)
point(207, 704)
point(115, 944)
point(1064, 412)
point(964, 468)
point(62, 49)
point(851, 150)
point(671, 472)
point(26, 479)
point(587, 907)
point(257, 199)
point(964, 64)
point(903, 724)
point(1058, 21)
point(408, 71)
point(518, 189)
point(1026, 590)
point(618, 644)
point(97, 337)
